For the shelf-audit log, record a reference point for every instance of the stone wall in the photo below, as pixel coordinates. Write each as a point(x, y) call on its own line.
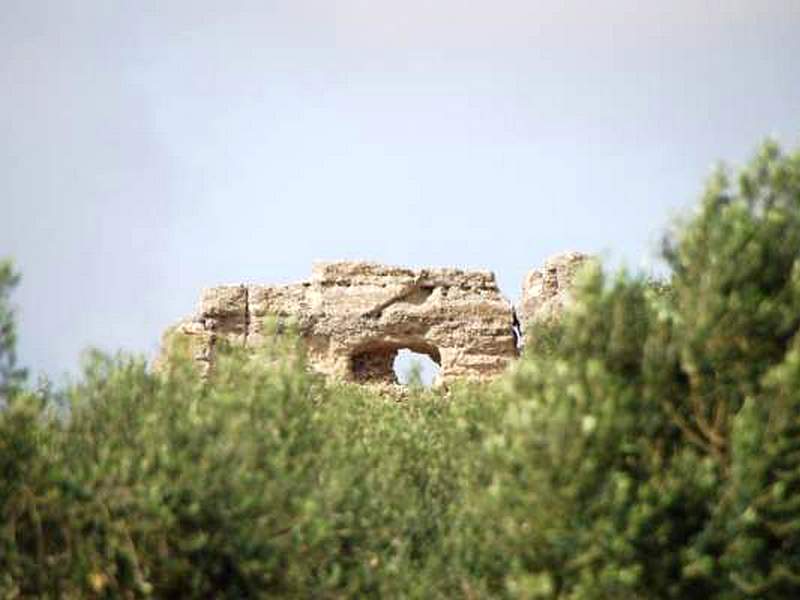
point(547, 291)
point(354, 317)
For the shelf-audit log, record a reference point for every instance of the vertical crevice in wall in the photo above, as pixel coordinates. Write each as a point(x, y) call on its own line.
point(246, 314)
point(516, 330)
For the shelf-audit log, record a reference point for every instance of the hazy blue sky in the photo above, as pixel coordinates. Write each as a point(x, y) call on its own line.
point(151, 148)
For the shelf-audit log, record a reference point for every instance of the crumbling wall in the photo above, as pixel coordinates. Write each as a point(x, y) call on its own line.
point(547, 291)
point(354, 317)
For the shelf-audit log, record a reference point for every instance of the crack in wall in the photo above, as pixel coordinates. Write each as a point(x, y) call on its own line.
point(516, 330)
point(409, 290)
point(246, 314)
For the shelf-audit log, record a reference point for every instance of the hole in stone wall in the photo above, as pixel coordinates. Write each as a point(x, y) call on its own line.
point(410, 365)
point(395, 362)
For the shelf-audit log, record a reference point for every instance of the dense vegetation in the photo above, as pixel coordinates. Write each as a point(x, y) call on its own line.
point(648, 446)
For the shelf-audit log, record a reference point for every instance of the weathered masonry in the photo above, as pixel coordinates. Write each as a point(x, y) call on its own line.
point(354, 317)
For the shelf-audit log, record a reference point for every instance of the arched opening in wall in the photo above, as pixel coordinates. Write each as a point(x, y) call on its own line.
point(395, 362)
point(415, 368)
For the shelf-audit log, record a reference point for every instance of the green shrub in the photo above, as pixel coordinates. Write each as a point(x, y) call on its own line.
point(626, 467)
point(259, 481)
point(11, 376)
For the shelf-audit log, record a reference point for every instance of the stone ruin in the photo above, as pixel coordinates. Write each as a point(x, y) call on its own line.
point(354, 317)
point(546, 292)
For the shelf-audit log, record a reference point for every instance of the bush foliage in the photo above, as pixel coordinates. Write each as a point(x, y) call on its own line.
point(648, 448)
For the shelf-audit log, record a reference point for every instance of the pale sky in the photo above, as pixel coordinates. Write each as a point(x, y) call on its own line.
point(149, 149)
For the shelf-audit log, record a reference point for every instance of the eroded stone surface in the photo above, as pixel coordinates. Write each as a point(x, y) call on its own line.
point(355, 316)
point(547, 291)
